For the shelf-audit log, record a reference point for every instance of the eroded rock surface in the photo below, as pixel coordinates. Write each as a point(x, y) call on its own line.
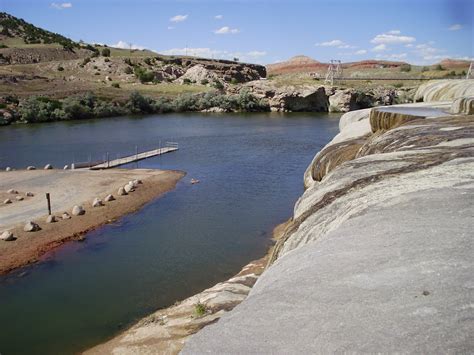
point(378, 256)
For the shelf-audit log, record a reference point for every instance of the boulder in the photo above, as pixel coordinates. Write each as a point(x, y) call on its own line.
point(128, 188)
point(48, 167)
point(29, 194)
point(306, 99)
point(19, 198)
point(31, 226)
point(8, 168)
point(97, 202)
point(109, 198)
point(12, 191)
point(198, 73)
point(66, 167)
point(7, 201)
point(31, 167)
point(66, 215)
point(78, 210)
point(121, 191)
point(7, 236)
point(51, 219)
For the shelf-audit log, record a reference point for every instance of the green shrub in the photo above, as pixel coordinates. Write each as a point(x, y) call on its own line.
point(147, 60)
point(398, 85)
point(218, 85)
point(186, 81)
point(438, 67)
point(115, 85)
point(405, 68)
point(105, 52)
point(138, 103)
point(128, 70)
point(128, 61)
point(200, 309)
point(3, 45)
point(424, 69)
point(60, 68)
point(234, 81)
point(204, 82)
point(143, 75)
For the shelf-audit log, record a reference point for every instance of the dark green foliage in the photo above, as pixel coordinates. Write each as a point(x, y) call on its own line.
point(3, 45)
point(60, 68)
point(438, 67)
point(115, 85)
point(204, 82)
point(143, 75)
point(147, 61)
point(398, 85)
point(128, 70)
point(218, 85)
point(128, 61)
point(424, 69)
point(138, 103)
point(105, 52)
point(234, 81)
point(405, 68)
point(186, 81)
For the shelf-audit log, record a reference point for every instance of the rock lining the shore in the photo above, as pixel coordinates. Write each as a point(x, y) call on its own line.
point(78, 210)
point(31, 227)
point(7, 236)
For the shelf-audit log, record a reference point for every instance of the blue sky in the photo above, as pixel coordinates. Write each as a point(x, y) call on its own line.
point(266, 31)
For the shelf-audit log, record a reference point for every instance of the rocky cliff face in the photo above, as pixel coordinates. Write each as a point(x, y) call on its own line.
point(378, 256)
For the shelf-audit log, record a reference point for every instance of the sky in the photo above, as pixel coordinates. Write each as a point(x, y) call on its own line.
point(266, 31)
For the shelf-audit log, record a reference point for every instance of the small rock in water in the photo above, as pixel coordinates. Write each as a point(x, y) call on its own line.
point(7, 236)
point(29, 194)
point(31, 227)
point(8, 169)
point(78, 210)
point(195, 181)
point(121, 192)
point(128, 188)
point(7, 201)
point(19, 198)
point(109, 198)
point(51, 219)
point(31, 167)
point(48, 167)
point(66, 216)
point(13, 192)
point(97, 202)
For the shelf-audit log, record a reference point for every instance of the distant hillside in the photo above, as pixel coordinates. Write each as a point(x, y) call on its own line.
point(298, 64)
point(14, 30)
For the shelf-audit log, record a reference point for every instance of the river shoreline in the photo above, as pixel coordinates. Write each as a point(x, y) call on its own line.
point(29, 247)
point(167, 330)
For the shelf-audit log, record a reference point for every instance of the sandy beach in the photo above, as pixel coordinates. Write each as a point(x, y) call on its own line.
point(67, 189)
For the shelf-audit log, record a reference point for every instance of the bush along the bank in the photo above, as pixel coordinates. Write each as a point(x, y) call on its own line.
point(44, 109)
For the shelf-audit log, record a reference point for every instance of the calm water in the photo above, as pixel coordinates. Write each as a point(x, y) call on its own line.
point(251, 171)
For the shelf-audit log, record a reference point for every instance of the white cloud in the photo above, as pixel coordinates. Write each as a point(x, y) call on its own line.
point(171, 27)
point(179, 18)
point(61, 6)
point(361, 51)
point(455, 27)
point(392, 37)
point(125, 45)
point(256, 54)
point(380, 48)
point(218, 17)
point(226, 30)
point(409, 45)
point(333, 43)
point(198, 52)
point(395, 56)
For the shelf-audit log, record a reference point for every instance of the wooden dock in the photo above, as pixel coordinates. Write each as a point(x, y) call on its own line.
point(108, 164)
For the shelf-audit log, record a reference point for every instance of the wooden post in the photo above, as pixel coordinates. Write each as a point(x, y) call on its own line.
point(108, 160)
point(136, 156)
point(48, 198)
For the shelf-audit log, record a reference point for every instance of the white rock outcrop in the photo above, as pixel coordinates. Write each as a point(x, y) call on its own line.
point(7, 236)
point(31, 227)
point(97, 202)
point(78, 210)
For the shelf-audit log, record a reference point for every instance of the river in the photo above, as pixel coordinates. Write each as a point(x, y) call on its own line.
point(251, 171)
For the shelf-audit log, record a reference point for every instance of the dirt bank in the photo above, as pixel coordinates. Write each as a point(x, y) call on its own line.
point(68, 188)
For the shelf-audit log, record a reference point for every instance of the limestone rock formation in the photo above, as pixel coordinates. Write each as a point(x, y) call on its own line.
point(197, 74)
point(31, 227)
point(128, 188)
point(78, 210)
point(463, 105)
point(121, 191)
point(444, 90)
point(109, 198)
point(372, 223)
point(7, 236)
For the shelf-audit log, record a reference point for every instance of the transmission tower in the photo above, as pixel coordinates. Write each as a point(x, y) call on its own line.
point(334, 71)
point(470, 72)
